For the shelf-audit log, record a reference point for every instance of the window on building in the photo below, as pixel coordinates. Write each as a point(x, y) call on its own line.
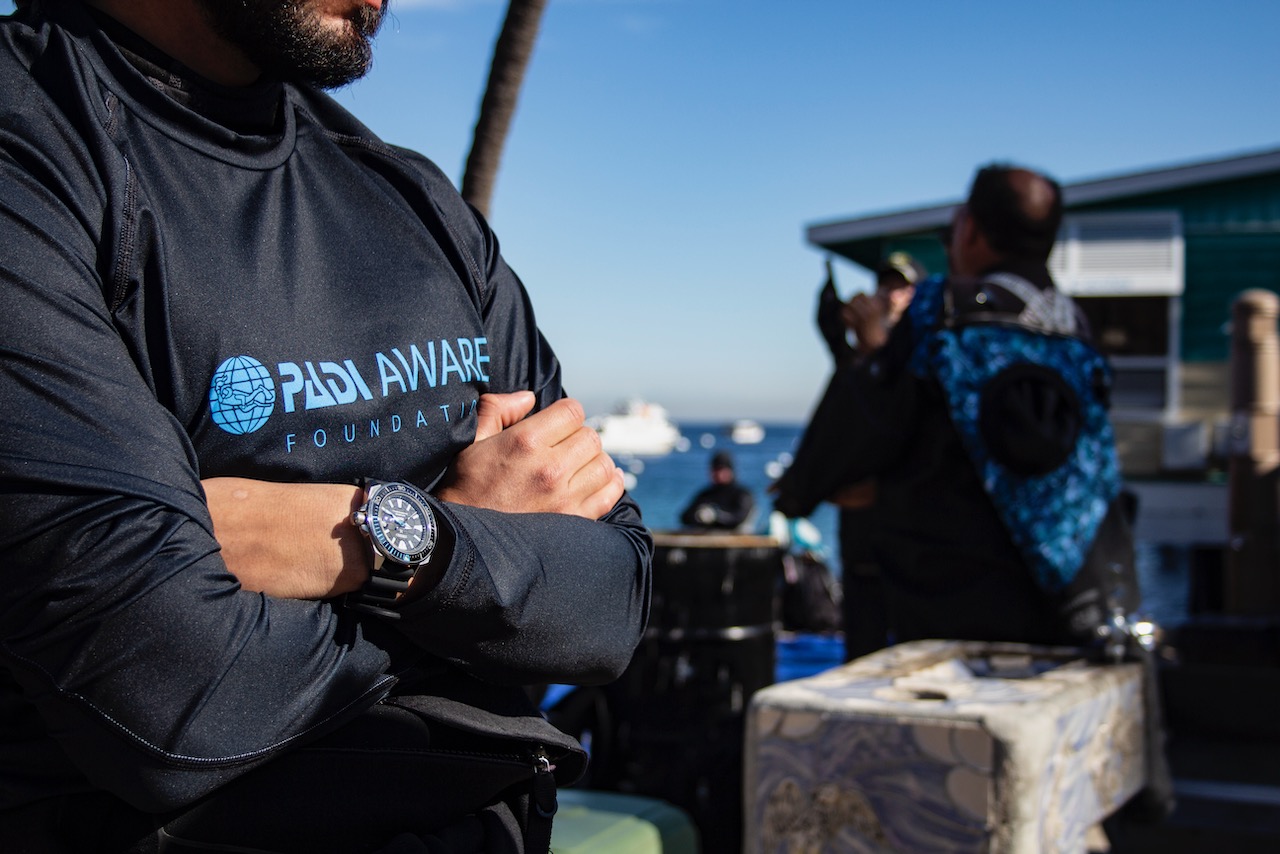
point(1128, 326)
point(1125, 270)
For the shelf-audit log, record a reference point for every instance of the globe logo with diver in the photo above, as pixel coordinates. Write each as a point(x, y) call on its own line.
point(241, 395)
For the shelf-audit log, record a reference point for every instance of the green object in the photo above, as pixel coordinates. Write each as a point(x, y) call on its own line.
point(590, 822)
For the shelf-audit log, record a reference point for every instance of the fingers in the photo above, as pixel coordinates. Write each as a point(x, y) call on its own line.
point(865, 312)
point(863, 305)
point(597, 483)
point(544, 462)
point(857, 309)
point(497, 412)
point(560, 421)
point(594, 483)
point(604, 499)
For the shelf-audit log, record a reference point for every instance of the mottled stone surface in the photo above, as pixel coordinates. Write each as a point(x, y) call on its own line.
point(938, 746)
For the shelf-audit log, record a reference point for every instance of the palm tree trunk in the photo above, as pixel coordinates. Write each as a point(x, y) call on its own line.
point(510, 58)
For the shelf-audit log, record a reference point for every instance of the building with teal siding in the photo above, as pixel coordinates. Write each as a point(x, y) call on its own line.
point(1156, 259)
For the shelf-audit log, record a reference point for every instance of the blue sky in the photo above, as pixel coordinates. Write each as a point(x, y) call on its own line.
point(667, 154)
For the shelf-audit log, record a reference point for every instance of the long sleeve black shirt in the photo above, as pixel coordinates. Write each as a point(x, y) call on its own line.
point(183, 300)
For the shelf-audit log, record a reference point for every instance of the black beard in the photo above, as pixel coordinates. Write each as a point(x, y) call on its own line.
point(287, 40)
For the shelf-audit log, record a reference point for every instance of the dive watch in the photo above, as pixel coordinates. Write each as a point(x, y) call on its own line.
point(402, 531)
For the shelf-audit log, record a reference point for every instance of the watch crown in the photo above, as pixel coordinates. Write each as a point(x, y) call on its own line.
point(359, 518)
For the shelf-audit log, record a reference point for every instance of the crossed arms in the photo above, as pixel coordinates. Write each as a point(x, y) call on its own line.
point(548, 462)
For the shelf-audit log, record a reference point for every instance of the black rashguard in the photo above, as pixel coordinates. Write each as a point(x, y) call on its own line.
point(183, 301)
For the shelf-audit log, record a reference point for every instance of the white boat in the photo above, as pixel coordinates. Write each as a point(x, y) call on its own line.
point(744, 431)
point(637, 428)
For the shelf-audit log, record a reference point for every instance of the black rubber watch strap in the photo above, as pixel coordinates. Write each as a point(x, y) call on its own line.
point(388, 579)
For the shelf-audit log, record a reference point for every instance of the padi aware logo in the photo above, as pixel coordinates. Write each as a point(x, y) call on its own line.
point(242, 395)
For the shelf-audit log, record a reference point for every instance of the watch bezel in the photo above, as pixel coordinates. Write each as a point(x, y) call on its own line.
point(378, 535)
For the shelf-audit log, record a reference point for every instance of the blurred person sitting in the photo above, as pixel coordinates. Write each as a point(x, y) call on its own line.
point(725, 505)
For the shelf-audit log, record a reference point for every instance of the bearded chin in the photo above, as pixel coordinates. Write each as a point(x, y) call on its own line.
point(289, 41)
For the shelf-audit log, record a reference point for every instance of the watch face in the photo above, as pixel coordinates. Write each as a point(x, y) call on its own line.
point(401, 523)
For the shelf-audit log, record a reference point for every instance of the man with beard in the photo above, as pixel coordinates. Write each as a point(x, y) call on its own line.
point(295, 501)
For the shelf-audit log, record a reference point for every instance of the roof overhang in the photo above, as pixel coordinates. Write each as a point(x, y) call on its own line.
point(883, 225)
point(835, 233)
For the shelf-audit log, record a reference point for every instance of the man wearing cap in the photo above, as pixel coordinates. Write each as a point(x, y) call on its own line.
point(869, 317)
point(725, 505)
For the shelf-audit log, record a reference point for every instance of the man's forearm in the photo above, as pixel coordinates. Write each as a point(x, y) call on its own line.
point(530, 576)
point(546, 597)
point(292, 540)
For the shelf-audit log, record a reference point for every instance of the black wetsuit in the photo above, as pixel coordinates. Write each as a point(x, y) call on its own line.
point(720, 507)
point(291, 300)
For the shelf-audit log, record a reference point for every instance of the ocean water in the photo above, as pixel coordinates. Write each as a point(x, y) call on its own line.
point(663, 487)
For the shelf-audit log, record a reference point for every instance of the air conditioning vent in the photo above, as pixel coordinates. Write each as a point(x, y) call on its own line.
point(1120, 254)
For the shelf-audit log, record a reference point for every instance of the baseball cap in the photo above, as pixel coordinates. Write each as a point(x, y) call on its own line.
point(902, 264)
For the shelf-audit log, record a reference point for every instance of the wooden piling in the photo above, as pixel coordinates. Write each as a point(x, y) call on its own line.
point(1252, 579)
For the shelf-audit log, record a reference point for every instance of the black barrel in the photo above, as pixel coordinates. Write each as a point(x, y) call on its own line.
point(679, 709)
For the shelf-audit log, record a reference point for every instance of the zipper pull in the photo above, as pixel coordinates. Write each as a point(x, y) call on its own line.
point(544, 784)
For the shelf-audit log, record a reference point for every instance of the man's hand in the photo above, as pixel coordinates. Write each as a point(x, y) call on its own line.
point(548, 462)
point(867, 315)
point(856, 496)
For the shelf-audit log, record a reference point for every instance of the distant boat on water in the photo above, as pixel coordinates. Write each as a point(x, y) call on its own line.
point(638, 428)
point(744, 431)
